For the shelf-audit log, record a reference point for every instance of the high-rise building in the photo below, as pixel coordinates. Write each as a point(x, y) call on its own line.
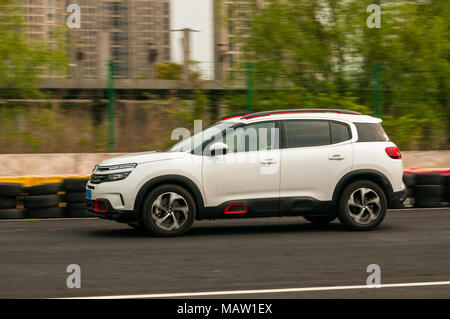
point(133, 33)
point(231, 24)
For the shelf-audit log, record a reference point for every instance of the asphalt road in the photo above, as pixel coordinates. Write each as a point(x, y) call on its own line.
point(253, 254)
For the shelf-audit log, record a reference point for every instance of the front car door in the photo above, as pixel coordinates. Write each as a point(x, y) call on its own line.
point(315, 155)
point(246, 180)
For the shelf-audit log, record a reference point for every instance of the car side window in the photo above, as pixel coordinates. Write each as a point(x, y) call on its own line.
point(253, 137)
point(306, 133)
point(340, 132)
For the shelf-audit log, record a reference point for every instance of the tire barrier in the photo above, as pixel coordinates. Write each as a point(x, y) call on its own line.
point(65, 197)
point(427, 190)
point(42, 201)
point(8, 201)
point(75, 197)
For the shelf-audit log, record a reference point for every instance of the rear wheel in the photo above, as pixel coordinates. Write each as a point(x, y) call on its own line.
point(362, 206)
point(169, 210)
point(320, 220)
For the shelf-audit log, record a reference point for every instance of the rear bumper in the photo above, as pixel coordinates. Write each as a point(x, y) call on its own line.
point(121, 216)
point(396, 199)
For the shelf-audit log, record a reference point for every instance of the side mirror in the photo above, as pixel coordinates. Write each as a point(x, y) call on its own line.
point(218, 148)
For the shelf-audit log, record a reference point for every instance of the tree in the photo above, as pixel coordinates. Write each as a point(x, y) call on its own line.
point(22, 59)
point(324, 50)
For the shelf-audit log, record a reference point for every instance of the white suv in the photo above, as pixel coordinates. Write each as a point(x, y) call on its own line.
point(316, 163)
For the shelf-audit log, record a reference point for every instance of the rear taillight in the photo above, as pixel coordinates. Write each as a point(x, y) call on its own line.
point(393, 152)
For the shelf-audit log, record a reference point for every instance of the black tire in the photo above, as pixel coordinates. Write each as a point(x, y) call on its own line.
point(430, 192)
point(149, 224)
point(41, 201)
point(45, 189)
point(14, 213)
point(49, 212)
point(76, 185)
point(409, 179)
point(344, 213)
point(76, 197)
point(10, 189)
point(320, 220)
point(429, 179)
point(447, 180)
point(8, 203)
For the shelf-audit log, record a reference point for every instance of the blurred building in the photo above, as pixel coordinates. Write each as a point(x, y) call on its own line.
point(231, 24)
point(133, 33)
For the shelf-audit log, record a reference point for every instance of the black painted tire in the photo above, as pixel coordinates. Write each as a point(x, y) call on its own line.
point(14, 213)
point(41, 201)
point(45, 189)
point(429, 179)
point(409, 180)
point(10, 189)
point(76, 197)
point(76, 210)
point(320, 220)
point(429, 192)
point(76, 185)
point(344, 214)
point(146, 215)
point(49, 212)
point(8, 203)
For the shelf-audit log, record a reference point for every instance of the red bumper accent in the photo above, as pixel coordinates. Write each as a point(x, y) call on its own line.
point(242, 209)
point(101, 206)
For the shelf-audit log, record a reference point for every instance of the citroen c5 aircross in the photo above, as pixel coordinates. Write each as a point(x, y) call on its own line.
point(320, 164)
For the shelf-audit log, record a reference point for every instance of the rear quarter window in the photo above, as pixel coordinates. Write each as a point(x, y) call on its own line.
point(371, 132)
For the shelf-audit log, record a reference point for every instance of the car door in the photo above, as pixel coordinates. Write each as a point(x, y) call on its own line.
point(316, 154)
point(248, 176)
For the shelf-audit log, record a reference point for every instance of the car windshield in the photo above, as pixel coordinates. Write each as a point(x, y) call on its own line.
point(195, 141)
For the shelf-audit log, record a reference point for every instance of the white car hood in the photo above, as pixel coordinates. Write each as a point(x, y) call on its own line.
point(142, 157)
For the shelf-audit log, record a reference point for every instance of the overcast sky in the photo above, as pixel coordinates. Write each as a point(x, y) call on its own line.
point(195, 14)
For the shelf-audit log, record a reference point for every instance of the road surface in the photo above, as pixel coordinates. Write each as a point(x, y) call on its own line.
point(411, 246)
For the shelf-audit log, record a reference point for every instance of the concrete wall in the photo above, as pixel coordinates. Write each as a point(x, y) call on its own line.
point(83, 163)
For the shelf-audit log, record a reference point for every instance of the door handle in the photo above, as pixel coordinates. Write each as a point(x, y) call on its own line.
point(268, 161)
point(336, 158)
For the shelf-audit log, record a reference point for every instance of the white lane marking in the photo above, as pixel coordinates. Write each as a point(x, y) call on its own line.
point(265, 291)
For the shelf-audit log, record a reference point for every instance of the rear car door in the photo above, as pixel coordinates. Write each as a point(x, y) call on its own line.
point(316, 154)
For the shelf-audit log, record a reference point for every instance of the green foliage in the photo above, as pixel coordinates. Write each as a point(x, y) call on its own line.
point(168, 71)
point(324, 50)
point(23, 59)
point(174, 71)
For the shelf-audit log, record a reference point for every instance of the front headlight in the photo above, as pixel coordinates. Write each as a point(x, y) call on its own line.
point(116, 176)
point(117, 167)
point(103, 178)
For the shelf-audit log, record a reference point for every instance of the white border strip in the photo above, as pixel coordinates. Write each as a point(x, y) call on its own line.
point(265, 291)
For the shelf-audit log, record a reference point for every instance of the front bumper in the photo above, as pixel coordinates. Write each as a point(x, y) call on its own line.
point(121, 216)
point(396, 199)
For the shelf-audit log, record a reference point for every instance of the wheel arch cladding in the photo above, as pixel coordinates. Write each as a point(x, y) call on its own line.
point(179, 180)
point(371, 175)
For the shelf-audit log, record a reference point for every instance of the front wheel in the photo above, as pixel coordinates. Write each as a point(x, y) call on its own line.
point(169, 210)
point(362, 206)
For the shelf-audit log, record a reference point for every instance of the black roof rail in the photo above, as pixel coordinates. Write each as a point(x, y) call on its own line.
point(267, 113)
point(235, 115)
